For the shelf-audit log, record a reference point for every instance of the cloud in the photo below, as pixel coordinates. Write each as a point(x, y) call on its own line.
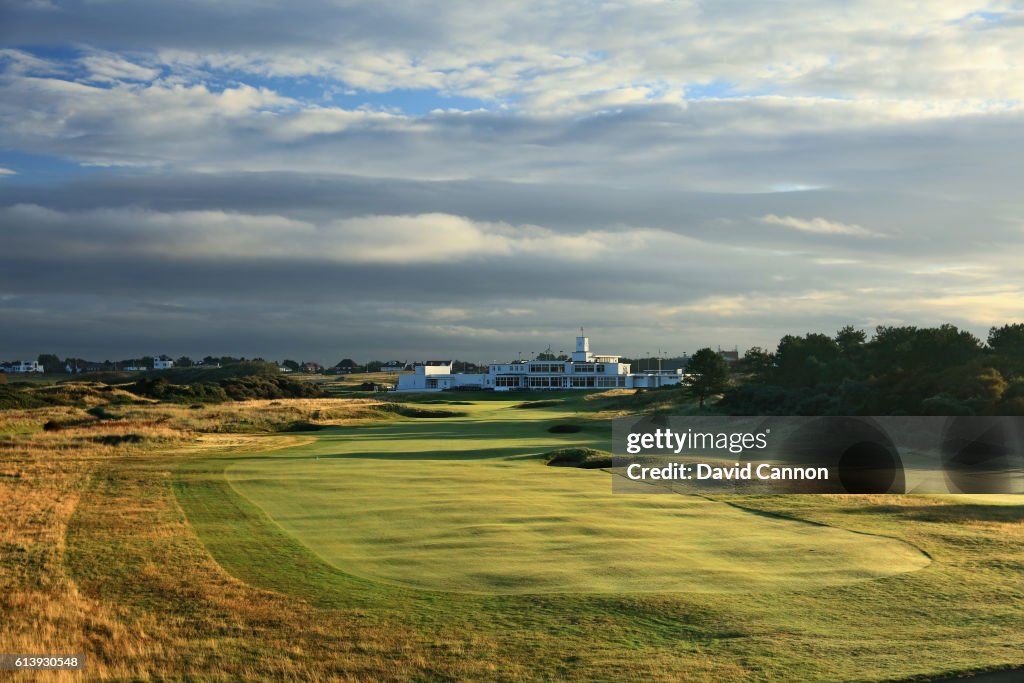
point(225, 236)
point(7, 172)
point(112, 68)
point(819, 226)
point(689, 173)
point(742, 145)
point(19, 62)
point(537, 56)
point(443, 237)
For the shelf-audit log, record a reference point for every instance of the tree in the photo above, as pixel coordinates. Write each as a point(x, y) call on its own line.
point(50, 363)
point(757, 362)
point(803, 361)
point(850, 339)
point(290, 364)
point(183, 362)
point(1008, 339)
point(922, 349)
point(707, 374)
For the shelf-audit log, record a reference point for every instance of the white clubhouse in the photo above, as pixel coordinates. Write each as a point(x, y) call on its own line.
point(584, 371)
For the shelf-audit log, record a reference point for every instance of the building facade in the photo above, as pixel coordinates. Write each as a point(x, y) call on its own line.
point(21, 367)
point(585, 370)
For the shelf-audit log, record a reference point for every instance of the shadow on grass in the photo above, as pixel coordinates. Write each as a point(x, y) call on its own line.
point(508, 453)
point(461, 429)
point(947, 513)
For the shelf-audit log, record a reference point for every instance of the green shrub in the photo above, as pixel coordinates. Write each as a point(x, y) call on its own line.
point(406, 410)
point(162, 389)
point(227, 389)
point(13, 397)
point(586, 458)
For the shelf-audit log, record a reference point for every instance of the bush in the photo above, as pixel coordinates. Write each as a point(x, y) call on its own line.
point(162, 390)
point(232, 388)
point(253, 387)
point(118, 439)
point(586, 458)
point(11, 397)
point(301, 426)
point(413, 411)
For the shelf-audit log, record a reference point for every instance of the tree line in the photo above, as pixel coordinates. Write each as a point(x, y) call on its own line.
point(900, 370)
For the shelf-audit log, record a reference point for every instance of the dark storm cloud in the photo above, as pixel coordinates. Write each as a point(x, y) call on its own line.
point(144, 24)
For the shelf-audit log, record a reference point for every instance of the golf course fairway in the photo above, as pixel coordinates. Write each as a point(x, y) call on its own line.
point(466, 504)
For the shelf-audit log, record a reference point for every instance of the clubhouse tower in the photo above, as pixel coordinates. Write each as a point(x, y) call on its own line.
point(585, 371)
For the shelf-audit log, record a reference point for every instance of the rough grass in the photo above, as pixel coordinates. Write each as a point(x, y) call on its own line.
point(42, 478)
point(546, 403)
point(260, 416)
point(587, 458)
point(406, 410)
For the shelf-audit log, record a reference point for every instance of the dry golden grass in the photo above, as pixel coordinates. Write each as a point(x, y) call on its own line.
point(611, 393)
point(43, 474)
point(255, 416)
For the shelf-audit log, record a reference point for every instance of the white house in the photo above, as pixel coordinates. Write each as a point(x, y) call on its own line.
point(584, 371)
point(162, 363)
point(23, 367)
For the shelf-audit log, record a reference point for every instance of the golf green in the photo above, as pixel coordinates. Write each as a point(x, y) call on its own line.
point(461, 504)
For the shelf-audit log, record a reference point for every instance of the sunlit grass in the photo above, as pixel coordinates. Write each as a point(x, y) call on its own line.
point(138, 554)
point(409, 504)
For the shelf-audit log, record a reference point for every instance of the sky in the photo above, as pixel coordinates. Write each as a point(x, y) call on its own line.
point(331, 179)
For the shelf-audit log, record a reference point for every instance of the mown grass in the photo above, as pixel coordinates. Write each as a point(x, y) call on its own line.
point(411, 505)
point(98, 556)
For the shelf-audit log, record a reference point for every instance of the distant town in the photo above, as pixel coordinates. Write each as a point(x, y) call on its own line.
point(53, 364)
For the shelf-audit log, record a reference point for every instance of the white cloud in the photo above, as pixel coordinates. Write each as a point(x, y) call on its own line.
point(7, 171)
point(106, 67)
point(539, 56)
point(819, 226)
point(19, 62)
